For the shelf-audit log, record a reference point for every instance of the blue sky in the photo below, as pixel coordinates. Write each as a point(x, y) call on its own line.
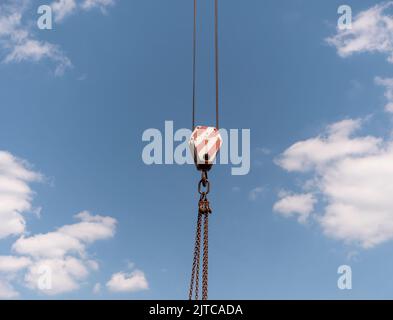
point(127, 68)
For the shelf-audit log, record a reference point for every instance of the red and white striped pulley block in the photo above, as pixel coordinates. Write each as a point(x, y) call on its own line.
point(205, 142)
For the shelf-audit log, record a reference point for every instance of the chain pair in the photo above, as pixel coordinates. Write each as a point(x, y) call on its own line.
point(204, 211)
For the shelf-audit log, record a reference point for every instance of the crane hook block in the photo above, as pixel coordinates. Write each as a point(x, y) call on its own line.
point(205, 142)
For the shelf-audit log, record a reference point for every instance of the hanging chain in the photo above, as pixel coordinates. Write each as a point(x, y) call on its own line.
point(203, 213)
point(196, 262)
point(205, 265)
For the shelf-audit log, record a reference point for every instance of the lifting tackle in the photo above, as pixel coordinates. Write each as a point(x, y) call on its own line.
point(205, 143)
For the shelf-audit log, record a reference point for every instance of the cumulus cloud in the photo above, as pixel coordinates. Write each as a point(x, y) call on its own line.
point(372, 31)
point(336, 143)
point(62, 275)
point(63, 8)
point(10, 268)
point(295, 204)
point(52, 244)
point(15, 193)
point(63, 252)
point(353, 175)
point(90, 228)
point(69, 238)
point(55, 262)
point(128, 282)
point(356, 186)
point(18, 41)
point(12, 264)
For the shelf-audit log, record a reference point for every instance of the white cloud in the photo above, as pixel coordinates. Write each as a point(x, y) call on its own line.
point(64, 252)
point(354, 178)
point(360, 201)
point(357, 187)
point(128, 282)
point(53, 250)
point(33, 50)
point(336, 144)
point(69, 238)
point(372, 31)
point(52, 244)
point(65, 8)
point(300, 204)
point(388, 84)
point(65, 275)
point(91, 228)
point(17, 40)
point(15, 193)
point(12, 264)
